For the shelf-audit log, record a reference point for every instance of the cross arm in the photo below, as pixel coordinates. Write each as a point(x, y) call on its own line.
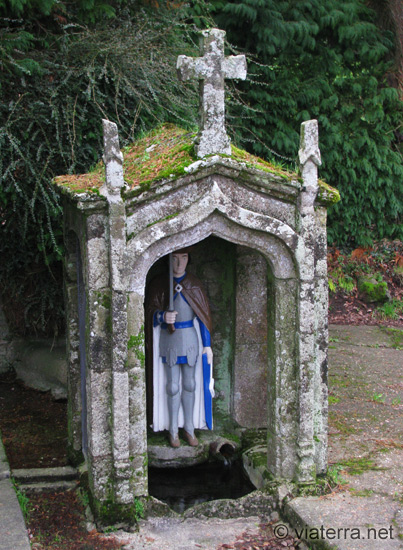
point(234, 66)
point(186, 67)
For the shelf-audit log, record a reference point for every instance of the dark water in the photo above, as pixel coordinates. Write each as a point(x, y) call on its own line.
point(182, 488)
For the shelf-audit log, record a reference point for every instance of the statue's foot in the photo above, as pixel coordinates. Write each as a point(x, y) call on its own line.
point(174, 441)
point(191, 439)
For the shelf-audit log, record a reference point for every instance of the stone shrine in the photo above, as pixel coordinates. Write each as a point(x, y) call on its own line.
point(260, 249)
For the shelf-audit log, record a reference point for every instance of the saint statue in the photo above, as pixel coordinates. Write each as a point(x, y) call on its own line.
point(181, 352)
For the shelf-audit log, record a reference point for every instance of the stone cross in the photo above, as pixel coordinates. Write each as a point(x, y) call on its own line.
point(211, 69)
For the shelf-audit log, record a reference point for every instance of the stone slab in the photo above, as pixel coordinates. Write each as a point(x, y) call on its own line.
point(176, 534)
point(41, 364)
point(161, 455)
point(44, 486)
point(362, 335)
point(347, 522)
point(255, 464)
point(31, 475)
point(13, 532)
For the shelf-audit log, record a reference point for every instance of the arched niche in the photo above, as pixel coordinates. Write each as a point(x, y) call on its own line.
point(246, 395)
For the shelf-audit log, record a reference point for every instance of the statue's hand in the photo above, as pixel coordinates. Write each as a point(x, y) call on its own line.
point(170, 316)
point(209, 352)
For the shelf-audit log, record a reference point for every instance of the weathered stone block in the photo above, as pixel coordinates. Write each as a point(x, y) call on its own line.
point(97, 264)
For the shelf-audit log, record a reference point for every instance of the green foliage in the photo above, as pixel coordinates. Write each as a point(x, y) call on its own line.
point(119, 68)
point(323, 59)
point(334, 475)
point(339, 280)
point(23, 500)
point(378, 398)
point(391, 310)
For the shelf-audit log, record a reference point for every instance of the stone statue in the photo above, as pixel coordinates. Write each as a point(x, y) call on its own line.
point(182, 354)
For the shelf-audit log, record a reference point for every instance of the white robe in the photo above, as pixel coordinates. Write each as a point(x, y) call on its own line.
point(160, 401)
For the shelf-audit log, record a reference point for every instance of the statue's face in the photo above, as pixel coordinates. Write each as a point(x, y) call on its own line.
point(179, 263)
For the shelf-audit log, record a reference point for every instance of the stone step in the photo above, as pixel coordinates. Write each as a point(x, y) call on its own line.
point(42, 486)
point(26, 476)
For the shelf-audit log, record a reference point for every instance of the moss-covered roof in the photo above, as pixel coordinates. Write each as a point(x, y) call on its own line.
point(164, 153)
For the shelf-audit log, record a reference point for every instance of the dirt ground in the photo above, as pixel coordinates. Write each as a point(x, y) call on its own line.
point(33, 425)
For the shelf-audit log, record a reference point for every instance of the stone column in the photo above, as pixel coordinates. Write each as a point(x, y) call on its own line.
point(321, 343)
point(250, 369)
point(309, 158)
point(74, 406)
point(282, 426)
point(98, 351)
point(113, 159)
point(137, 392)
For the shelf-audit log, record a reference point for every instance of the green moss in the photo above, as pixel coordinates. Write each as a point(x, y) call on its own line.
point(258, 459)
point(111, 513)
point(396, 335)
point(373, 290)
point(231, 437)
point(157, 439)
point(254, 437)
point(327, 195)
point(337, 381)
point(357, 466)
point(339, 423)
point(136, 344)
point(361, 493)
point(165, 153)
point(106, 301)
point(252, 161)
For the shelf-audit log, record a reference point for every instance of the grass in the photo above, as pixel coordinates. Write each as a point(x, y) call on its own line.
point(334, 475)
point(378, 398)
point(340, 382)
point(390, 310)
point(338, 422)
point(23, 500)
point(361, 493)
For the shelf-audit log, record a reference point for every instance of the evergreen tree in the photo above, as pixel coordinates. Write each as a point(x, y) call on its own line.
point(324, 59)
